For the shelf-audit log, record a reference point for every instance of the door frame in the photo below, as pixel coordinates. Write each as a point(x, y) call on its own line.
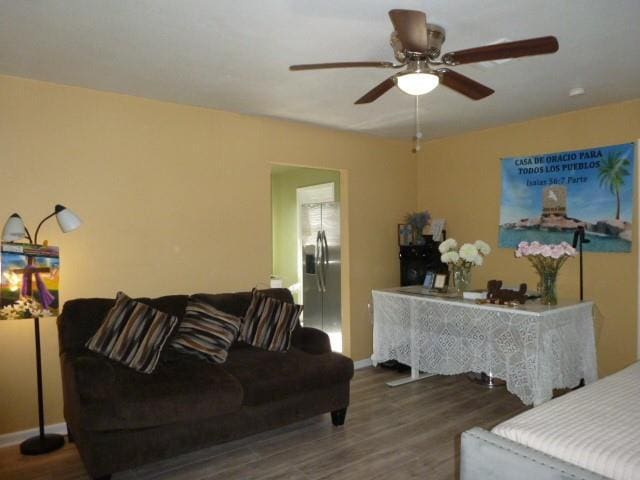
point(345, 249)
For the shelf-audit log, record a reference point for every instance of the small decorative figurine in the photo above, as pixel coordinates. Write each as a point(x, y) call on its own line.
point(495, 293)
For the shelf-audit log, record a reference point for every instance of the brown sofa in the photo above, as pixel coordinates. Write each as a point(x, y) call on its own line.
point(120, 418)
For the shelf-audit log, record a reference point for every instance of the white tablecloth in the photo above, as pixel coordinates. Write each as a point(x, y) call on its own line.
point(534, 348)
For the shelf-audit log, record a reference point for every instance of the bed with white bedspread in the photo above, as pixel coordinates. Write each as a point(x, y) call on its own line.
point(590, 433)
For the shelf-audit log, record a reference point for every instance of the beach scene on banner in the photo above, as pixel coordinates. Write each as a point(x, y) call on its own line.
point(547, 197)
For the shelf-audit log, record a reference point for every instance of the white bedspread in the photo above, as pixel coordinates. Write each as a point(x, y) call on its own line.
point(596, 427)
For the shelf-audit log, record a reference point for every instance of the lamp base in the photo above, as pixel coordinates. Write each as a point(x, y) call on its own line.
point(38, 445)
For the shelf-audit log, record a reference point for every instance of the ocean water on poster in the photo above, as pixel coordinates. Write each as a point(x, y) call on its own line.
point(509, 238)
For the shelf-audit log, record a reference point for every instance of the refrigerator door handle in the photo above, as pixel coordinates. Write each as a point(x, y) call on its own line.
point(319, 265)
point(325, 259)
point(323, 270)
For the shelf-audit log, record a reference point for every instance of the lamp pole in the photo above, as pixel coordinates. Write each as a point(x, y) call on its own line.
point(43, 443)
point(36, 322)
point(578, 240)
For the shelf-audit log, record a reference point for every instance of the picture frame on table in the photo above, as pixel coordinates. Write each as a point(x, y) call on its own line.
point(405, 234)
point(429, 279)
point(440, 281)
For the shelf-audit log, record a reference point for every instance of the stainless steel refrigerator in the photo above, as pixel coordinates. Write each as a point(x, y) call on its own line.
point(320, 234)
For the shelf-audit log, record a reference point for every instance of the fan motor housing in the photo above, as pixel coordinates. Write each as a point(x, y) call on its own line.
point(436, 37)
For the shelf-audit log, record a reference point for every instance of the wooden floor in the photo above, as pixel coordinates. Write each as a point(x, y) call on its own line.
point(411, 431)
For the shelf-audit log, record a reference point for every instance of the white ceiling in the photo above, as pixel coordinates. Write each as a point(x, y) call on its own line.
point(233, 55)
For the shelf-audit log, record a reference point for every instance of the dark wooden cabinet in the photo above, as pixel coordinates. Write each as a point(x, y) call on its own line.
point(416, 260)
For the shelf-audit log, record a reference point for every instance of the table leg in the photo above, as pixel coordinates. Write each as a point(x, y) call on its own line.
point(415, 376)
point(415, 373)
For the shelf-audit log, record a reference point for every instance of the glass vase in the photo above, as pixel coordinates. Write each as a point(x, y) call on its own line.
point(461, 276)
point(548, 295)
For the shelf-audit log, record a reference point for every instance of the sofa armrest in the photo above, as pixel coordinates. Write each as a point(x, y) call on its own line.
point(485, 455)
point(92, 377)
point(311, 340)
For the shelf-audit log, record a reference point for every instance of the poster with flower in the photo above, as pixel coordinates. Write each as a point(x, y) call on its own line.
point(30, 277)
point(546, 197)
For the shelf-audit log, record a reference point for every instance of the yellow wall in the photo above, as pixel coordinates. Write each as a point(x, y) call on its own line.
point(175, 199)
point(459, 179)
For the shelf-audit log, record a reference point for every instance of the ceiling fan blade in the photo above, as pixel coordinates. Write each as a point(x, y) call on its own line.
point(463, 84)
point(520, 48)
point(319, 66)
point(411, 27)
point(377, 91)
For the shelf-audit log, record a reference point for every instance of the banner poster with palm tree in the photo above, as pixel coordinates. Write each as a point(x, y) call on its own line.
point(547, 197)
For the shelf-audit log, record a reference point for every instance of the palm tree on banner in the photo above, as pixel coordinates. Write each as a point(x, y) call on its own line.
point(611, 174)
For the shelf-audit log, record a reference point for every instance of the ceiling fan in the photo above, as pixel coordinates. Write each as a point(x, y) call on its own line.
point(416, 45)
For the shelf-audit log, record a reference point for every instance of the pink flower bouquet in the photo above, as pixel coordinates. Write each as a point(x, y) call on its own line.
point(547, 260)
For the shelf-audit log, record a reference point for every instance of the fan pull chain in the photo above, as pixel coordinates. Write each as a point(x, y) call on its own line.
point(418, 135)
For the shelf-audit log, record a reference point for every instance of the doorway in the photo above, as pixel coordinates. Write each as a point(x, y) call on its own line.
point(305, 205)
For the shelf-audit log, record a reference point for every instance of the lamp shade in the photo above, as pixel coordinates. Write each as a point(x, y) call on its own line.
point(417, 83)
point(67, 220)
point(14, 229)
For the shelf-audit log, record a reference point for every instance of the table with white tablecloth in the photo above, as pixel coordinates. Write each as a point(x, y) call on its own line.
point(534, 348)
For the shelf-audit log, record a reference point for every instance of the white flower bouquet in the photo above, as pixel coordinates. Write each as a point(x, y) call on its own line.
point(460, 260)
point(469, 254)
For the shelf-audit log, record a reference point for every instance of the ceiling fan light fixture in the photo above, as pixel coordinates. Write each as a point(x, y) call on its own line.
point(417, 83)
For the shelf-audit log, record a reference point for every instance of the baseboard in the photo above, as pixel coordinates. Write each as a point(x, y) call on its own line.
point(14, 438)
point(364, 363)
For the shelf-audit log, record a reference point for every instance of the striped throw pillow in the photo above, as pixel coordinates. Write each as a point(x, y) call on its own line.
point(269, 322)
point(206, 331)
point(133, 334)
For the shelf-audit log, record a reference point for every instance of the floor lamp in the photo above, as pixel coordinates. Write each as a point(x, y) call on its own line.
point(15, 231)
point(578, 240)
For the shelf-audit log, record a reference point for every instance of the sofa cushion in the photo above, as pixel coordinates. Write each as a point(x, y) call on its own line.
point(81, 318)
point(133, 333)
point(269, 322)
point(237, 303)
point(266, 376)
point(183, 388)
point(206, 331)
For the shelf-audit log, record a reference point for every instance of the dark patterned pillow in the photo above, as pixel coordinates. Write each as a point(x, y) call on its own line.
point(269, 322)
point(206, 331)
point(133, 334)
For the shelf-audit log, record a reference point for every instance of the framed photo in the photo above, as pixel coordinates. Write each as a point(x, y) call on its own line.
point(437, 229)
point(440, 281)
point(405, 234)
point(429, 279)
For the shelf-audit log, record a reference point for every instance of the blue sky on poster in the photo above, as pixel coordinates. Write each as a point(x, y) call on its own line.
point(19, 260)
point(524, 179)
